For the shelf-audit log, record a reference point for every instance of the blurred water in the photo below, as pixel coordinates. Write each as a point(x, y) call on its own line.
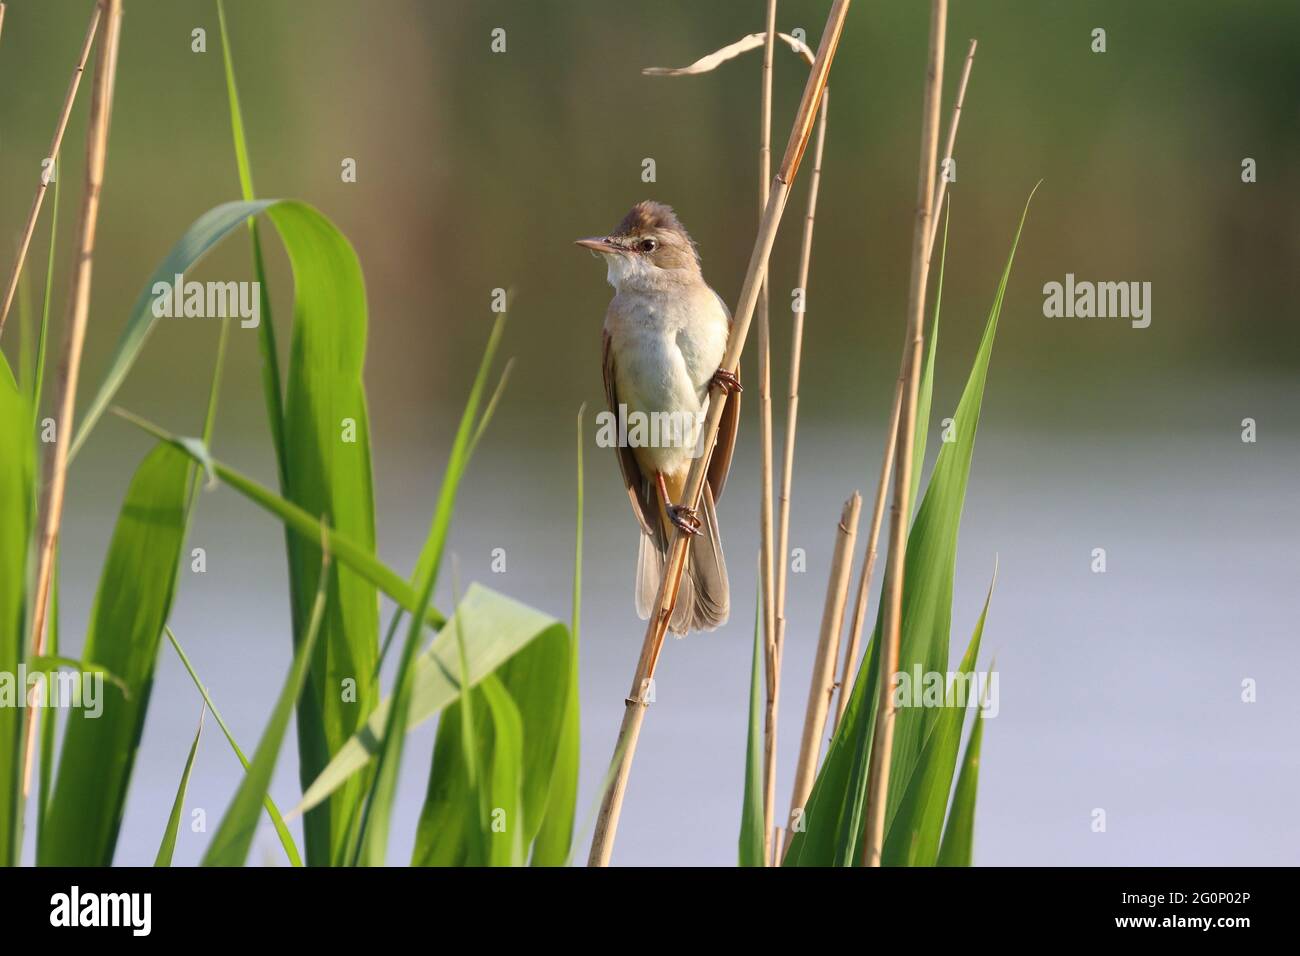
point(1119, 691)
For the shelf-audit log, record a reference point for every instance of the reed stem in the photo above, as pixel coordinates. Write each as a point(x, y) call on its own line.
point(771, 649)
point(822, 684)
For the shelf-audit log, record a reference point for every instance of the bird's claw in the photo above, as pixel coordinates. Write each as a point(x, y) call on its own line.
point(727, 380)
point(686, 520)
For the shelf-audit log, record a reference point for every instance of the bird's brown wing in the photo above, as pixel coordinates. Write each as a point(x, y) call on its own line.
point(638, 489)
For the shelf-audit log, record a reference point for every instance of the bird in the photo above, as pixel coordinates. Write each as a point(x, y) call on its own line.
point(663, 341)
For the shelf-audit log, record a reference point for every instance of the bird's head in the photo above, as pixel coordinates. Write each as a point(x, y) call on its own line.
point(650, 248)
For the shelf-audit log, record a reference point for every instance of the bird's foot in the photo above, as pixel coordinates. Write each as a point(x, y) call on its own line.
point(686, 520)
point(726, 380)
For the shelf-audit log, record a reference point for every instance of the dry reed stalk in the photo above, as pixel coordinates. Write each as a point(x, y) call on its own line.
point(848, 672)
point(101, 103)
point(941, 187)
point(796, 357)
point(68, 100)
point(771, 651)
point(909, 378)
point(821, 686)
point(634, 712)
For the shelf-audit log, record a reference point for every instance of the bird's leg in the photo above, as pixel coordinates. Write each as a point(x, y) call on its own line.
point(684, 518)
point(726, 380)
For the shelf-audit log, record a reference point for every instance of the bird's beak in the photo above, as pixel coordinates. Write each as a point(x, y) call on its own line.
point(598, 244)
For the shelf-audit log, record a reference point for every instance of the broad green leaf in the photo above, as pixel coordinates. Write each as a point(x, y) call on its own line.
point(466, 787)
point(751, 812)
point(849, 822)
point(555, 836)
point(499, 628)
point(235, 835)
point(538, 679)
point(451, 831)
point(958, 837)
point(912, 836)
point(927, 612)
point(327, 466)
point(286, 839)
point(126, 623)
point(472, 813)
point(501, 810)
point(168, 846)
point(17, 477)
point(555, 839)
point(448, 834)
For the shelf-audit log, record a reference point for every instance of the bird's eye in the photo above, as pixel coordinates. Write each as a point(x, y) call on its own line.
point(649, 245)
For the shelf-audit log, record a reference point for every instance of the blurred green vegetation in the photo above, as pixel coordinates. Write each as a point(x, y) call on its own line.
point(476, 170)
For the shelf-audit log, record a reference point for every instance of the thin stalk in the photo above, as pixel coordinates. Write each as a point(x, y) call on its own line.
point(941, 187)
point(847, 674)
point(47, 171)
point(822, 685)
point(796, 357)
point(101, 102)
point(772, 649)
point(909, 380)
point(634, 712)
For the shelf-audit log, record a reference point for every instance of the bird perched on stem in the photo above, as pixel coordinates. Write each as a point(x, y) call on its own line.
point(665, 336)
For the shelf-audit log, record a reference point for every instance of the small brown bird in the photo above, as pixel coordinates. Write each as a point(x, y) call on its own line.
point(664, 339)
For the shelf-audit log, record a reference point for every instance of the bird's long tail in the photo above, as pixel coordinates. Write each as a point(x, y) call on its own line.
point(704, 598)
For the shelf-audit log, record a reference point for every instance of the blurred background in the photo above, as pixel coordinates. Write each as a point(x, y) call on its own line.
point(476, 170)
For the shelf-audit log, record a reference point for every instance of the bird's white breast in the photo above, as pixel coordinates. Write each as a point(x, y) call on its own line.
point(667, 345)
